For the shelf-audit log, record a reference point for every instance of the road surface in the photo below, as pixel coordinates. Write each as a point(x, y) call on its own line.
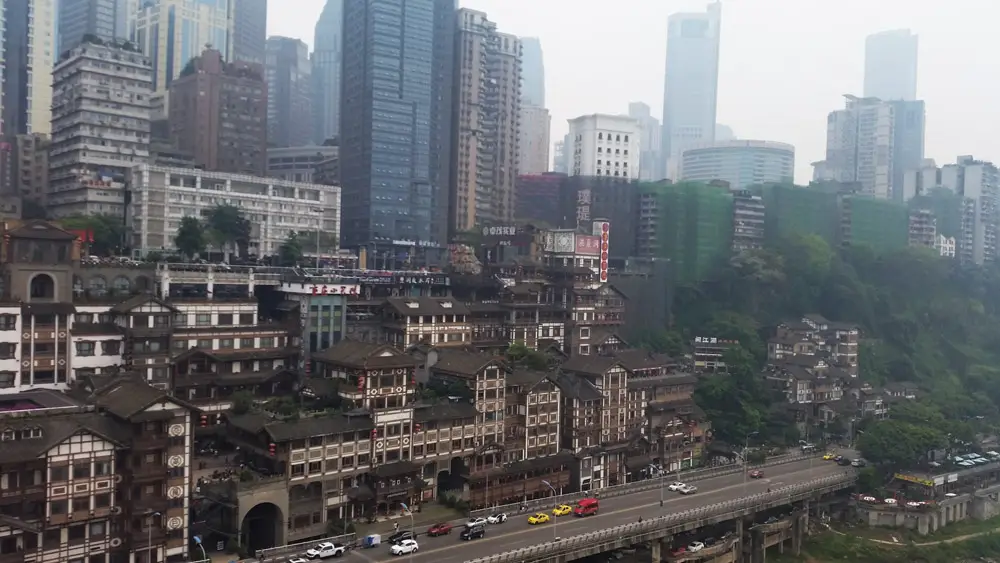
point(516, 533)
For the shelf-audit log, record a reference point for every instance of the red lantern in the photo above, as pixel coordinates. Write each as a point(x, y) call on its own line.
point(272, 449)
point(204, 420)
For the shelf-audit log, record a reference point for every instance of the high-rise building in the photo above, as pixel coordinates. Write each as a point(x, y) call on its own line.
point(88, 165)
point(560, 158)
point(691, 83)
point(31, 167)
point(105, 19)
point(218, 114)
point(249, 36)
point(533, 143)
point(741, 164)
point(876, 223)
point(978, 183)
point(891, 65)
point(748, 220)
point(326, 60)
point(604, 145)
point(649, 140)
point(29, 40)
point(395, 123)
point(921, 181)
point(533, 72)
point(172, 32)
point(873, 143)
point(488, 94)
point(289, 93)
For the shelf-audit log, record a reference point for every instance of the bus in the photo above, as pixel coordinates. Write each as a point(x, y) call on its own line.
point(586, 507)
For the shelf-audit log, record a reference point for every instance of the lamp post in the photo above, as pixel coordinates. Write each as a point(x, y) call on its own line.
point(149, 535)
point(746, 464)
point(413, 532)
point(555, 519)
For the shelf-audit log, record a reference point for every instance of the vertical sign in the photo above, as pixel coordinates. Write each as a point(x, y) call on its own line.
point(304, 344)
point(603, 230)
point(583, 201)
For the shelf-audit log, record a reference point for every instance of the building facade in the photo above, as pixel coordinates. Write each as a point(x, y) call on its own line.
point(218, 114)
point(740, 164)
point(533, 143)
point(748, 221)
point(249, 35)
point(486, 120)
point(691, 83)
point(162, 196)
point(533, 70)
point(298, 164)
point(175, 31)
point(891, 65)
point(289, 93)
point(326, 58)
point(30, 163)
point(396, 131)
point(105, 19)
point(29, 50)
point(88, 163)
point(604, 145)
point(652, 135)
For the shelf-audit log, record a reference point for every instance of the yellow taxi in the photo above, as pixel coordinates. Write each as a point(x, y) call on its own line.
point(828, 456)
point(539, 518)
point(562, 510)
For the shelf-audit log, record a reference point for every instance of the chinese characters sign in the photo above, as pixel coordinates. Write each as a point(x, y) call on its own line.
point(583, 201)
point(587, 244)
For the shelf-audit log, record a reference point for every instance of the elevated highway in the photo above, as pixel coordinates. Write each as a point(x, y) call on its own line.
point(617, 524)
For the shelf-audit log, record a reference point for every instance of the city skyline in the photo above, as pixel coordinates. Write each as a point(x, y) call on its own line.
point(785, 95)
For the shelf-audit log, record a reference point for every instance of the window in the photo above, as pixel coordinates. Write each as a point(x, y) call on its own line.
point(203, 319)
point(267, 342)
point(315, 467)
point(225, 343)
point(7, 379)
point(585, 349)
point(246, 343)
point(8, 322)
point(77, 533)
point(81, 471)
point(97, 529)
point(248, 319)
point(225, 319)
point(102, 500)
point(111, 348)
point(85, 348)
point(298, 470)
point(60, 473)
point(585, 332)
point(52, 539)
point(81, 504)
point(58, 507)
point(161, 321)
point(7, 350)
point(180, 345)
point(205, 343)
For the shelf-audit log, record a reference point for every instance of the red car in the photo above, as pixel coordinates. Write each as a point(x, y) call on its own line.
point(756, 474)
point(439, 529)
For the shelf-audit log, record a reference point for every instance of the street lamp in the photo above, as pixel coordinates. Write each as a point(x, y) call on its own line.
point(149, 536)
point(413, 532)
point(746, 464)
point(555, 519)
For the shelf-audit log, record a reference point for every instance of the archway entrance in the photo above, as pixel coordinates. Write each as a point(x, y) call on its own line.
point(261, 527)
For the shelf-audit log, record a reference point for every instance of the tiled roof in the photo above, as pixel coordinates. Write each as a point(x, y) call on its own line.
point(577, 387)
point(527, 377)
point(95, 329)
point(287, 430)
point(462, 362)
point(41, 230)
point(643, 359)
point(592, 365)
point(56, 429)
point(444, 411)
point(356, 354)
point(427, 306)
point(139, 300)
point(127, 397)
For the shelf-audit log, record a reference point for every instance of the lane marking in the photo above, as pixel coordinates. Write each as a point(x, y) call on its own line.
point(619, 511)
point(358, 552)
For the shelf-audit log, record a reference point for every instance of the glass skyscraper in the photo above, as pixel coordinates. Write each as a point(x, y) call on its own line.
point(395, 123)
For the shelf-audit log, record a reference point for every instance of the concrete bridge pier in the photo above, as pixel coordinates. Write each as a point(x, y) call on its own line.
point(758, 549)
point(740, 536)
point(656, 555)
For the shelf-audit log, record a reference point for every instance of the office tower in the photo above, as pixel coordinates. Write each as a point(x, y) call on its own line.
point(533, 72)
point(874, 143)
point(649, 140)
point(218, 114)
point(691, 82)
point(978, 184)
point(88, 164)
point(533, 141)
point(104, 19)
point(486, 123)
point(741, 164)
point(29, 43)
point(249, 31)
point(560, 158)
point(891, 65)
point(604, 145)
point(31, 167)
point(289, 93)
point(326, 59)
point(395, 123)
point(172, 32)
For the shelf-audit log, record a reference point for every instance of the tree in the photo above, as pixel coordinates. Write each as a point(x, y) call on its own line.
point(228, 229)
point(663, 342)
point(108, 232)
point(290, 251)
point(896, 443)
point(328, 241)
point(736, 402)
point(518, 353)
point(190, 237)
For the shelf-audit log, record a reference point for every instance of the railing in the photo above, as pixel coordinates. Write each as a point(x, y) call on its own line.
point(659, 527)
point(280, 554)
point(638, 487)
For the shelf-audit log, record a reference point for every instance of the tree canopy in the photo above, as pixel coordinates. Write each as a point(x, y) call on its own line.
point(190, 238)
point(924, 319)
point(108, 231)
point(228, 229)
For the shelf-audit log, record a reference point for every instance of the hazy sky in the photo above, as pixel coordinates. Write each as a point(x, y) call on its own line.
point(784, 63)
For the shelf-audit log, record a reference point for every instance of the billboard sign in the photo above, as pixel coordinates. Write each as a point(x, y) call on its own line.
point(603, 229)
point(588, 244)
point(506, 235)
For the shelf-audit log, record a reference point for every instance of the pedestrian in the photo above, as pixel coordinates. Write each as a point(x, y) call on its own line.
point(395, 526)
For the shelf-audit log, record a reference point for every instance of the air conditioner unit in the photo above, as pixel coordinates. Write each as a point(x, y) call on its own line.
point(116, 510)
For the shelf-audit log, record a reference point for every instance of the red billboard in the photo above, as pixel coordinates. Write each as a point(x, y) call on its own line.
point(588, 244)
point(605, 228)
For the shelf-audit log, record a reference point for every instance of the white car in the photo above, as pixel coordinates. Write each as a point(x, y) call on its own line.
point(498, 518)
point(890, 501)
point(676, 486)
point(915, 504)
point(688, 490)
point(695, 547)
point(325, 550)
point(404, 547)
point(476, 522)
point(298, 560)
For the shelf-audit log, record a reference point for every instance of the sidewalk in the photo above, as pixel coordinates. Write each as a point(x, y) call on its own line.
point(430, 513)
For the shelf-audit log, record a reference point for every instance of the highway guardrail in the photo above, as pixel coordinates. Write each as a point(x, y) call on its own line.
point(561, 547)
point(692, 475)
